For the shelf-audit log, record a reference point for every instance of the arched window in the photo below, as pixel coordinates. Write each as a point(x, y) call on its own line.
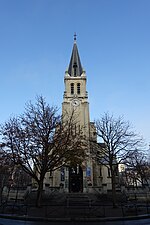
point(72, 88)
point(78, 88)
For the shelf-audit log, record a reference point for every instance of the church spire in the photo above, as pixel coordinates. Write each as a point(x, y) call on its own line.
point(75, 67)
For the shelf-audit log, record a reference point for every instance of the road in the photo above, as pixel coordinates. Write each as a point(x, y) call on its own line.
point(128, 222)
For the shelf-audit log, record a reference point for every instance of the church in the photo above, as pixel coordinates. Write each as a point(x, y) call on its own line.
point(90, 175)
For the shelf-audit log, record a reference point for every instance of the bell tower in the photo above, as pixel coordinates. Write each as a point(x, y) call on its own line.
point(75, 99)
point(75, 94)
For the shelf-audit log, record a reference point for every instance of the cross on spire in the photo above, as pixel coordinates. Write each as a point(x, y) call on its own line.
point(75, 36)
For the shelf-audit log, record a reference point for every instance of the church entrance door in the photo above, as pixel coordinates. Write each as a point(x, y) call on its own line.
point(75, 179)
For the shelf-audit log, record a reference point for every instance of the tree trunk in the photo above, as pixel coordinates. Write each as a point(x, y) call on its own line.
point(113, 181)
point(142, 181)
point(39, 193)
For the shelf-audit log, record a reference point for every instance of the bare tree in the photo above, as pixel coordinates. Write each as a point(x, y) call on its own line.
point(6, 170)
point(138, 169)
point(118, 141)
point(40, 142)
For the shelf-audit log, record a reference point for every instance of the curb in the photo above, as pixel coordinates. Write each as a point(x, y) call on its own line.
point(82, 219)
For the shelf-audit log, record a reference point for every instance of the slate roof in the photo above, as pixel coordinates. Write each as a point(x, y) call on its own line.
point(75, 67)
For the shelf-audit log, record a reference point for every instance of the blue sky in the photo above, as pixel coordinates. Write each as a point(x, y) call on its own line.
point(113, 38)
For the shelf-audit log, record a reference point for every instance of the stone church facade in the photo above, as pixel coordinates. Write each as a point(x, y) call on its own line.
point(90, 175)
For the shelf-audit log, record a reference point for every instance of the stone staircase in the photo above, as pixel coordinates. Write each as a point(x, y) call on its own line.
point(78, 204)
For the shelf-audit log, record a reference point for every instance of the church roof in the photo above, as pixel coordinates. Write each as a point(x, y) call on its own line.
point(75, 67)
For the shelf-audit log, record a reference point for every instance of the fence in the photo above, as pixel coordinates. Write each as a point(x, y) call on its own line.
point(84, 206)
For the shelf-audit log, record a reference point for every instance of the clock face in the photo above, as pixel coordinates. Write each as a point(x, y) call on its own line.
point(75, 102)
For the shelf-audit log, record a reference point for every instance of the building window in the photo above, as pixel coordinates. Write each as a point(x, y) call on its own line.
point(100, 171)
point(62, 174)
point(109, 173)
point(72, 88)
point(78, 88)
point(50, 173)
